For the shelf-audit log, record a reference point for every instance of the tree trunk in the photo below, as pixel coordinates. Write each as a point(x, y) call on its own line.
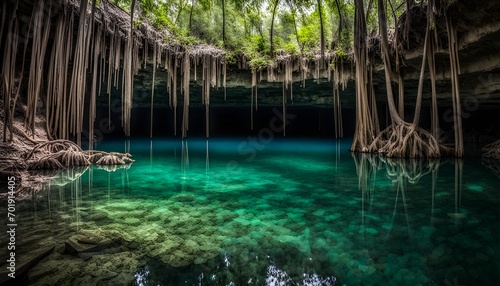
point(272, 26)
point(385, 58)
point(401, 104)
point(181, 7)
point(363, 135)
point(322, 35)
point(418, 104)
point(224, 22)
point(341, 24)
point(409, 5)
point(191, 16)
point(369, 9)
point(402, 139)
point(295, 29)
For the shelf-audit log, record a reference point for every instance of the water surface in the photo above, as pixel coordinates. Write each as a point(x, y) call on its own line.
point(286, 212)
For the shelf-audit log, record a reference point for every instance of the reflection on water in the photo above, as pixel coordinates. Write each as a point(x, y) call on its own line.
point(298, 213)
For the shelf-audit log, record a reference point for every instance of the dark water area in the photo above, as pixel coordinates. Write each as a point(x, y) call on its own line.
point(268, 212)
point(302, 122)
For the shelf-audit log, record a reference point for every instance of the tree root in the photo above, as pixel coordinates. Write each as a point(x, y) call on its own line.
point(112, 158)
point(45, 163)
point(492, 150)
point(54, 146)
point(61, 154)
point(405, 140)
point(69, 158)
point(95, 156)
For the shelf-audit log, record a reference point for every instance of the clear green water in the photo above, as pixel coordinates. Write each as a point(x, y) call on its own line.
point(297, 213)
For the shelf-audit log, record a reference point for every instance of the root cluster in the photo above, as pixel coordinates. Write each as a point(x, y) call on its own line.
point(407, 141)
point(60, 154)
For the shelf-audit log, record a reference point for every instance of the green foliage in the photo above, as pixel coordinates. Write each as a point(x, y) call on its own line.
point(339, 53)
point(291, 48)
point(162, 21)
point(255, 46)
point(248, 22)
point(188, 40)
point(137, 23)
point(124, 4)
point(308, 37)
point(230, 57)
point(259, 63)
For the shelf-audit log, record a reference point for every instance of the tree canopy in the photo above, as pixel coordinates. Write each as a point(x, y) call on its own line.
point(259, 29)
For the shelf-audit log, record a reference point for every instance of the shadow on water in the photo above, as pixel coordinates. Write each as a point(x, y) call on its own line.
point(288, 217)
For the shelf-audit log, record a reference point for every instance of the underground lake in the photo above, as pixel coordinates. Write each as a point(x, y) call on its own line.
point(249, 142)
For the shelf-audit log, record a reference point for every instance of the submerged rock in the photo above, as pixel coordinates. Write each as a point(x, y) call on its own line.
point(101, 269)
point(92, 241)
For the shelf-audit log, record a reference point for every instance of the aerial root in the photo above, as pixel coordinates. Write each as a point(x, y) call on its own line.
point(405, 140)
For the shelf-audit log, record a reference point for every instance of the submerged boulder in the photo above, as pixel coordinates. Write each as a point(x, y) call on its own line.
point(92, 241)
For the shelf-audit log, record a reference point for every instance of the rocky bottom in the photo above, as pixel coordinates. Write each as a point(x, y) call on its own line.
point(185, 238)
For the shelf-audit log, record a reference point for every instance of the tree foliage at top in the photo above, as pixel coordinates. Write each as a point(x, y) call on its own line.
point(259, 29)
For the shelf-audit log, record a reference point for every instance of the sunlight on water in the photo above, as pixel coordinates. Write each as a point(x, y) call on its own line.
point(292, 212)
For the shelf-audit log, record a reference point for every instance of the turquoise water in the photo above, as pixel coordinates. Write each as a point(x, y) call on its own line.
point(286, 212)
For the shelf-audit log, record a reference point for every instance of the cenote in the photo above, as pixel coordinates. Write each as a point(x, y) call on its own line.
point(300, 212)
point(249, 142)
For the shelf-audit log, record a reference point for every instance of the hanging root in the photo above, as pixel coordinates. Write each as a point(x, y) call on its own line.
point(492, 150)
point(405, 140)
